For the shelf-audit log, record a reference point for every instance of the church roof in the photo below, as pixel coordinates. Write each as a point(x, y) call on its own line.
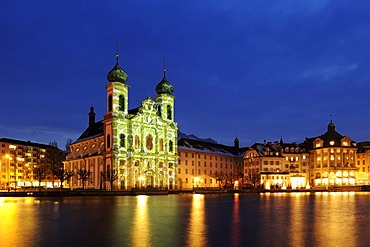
point(117, 74)
point(96, 129)
point(164, 86)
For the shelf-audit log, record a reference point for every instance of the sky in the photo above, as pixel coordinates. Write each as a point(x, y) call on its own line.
point(260, 70)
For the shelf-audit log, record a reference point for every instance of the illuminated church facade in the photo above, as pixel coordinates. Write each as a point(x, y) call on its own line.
point(138, 145)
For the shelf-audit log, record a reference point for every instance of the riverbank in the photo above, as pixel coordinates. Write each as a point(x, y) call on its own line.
point(134, 192)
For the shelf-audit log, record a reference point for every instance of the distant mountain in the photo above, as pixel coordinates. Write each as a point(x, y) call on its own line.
point(194, 137)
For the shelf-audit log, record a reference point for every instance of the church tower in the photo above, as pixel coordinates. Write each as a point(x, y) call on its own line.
point(165, 99)
point(117, 109)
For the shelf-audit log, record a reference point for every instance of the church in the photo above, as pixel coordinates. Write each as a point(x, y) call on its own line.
point(138, 146)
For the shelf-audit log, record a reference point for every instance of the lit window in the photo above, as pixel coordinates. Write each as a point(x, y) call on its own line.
point(149, 142)
point(137, 142)
point(331, 143)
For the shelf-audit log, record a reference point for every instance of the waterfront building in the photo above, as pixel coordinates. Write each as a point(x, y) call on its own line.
point(138, 145)
point(275, 180)
point(332, 159)
point(262, 157)
point(206, 163)
point(18, 160)
point(363, 163)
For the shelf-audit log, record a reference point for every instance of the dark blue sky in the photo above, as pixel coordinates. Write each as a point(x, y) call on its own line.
point(261, 69)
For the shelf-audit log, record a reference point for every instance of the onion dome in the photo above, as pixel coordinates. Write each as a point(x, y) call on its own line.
point(164, 86)
point(117, 74)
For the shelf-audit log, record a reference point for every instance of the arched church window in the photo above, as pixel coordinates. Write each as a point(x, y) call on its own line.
point(121, 103)
point(122, 140)
point(149, 142)
point(110, 103)
point(170, 148)
point(137, 142)
point(161, 145)
point(169, 112)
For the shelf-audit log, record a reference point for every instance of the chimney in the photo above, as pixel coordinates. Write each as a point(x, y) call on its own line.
point(91, 116)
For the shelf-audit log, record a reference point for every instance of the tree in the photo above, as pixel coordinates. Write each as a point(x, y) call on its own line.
point(53, 143)
point(62, 175)
point(54, 159)
point(109, 175)
point(83, 175)
point(68, 146)
point(40, 173)
point(254, 178)
point(219, 176)
point(228, 179)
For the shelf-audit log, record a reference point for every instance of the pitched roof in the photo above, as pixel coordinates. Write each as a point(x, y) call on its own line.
point(265, 149)
point(363, 146)
point(209, 147)
point(97, 129)
point(330, 135)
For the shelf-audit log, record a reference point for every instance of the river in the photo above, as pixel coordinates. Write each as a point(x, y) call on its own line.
point(270, 219)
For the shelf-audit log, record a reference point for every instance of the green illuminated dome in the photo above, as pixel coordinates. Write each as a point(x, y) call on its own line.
point(164, 87)
point(117, 74)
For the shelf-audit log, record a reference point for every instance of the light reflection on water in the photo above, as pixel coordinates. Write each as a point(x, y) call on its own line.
point(284, 219)
point(196, 233)
point(141, 226)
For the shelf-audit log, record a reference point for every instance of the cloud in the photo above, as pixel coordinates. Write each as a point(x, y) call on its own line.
point(328, 73)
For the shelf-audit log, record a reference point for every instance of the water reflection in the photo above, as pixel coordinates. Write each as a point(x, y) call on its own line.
point(297, 224)
point(235, 224)
point(197, 226)
point(17, 226)
point(289, 219)
point(332, 223)
point(141, 224)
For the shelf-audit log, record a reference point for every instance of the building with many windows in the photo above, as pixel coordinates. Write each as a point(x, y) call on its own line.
point(206, 163)
point(332, 159)
point(363, 163)
point(138, 145)
point(18, 160)
point(262, 157)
